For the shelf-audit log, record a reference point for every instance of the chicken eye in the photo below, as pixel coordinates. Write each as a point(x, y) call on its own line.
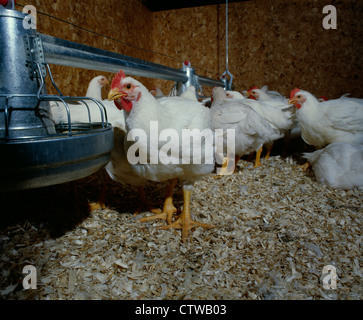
point(128, 86)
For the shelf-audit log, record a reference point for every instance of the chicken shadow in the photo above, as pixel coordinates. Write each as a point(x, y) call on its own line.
point(57, 209)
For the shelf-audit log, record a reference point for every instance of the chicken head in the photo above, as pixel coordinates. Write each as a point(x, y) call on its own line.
point(297, 98)
point(252, 93)
point(124, 91)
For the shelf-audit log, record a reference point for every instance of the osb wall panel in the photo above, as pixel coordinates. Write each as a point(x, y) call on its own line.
point(127, 21)
point(280, 43)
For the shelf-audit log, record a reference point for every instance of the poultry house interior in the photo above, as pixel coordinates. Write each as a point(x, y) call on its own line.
point(277, 218)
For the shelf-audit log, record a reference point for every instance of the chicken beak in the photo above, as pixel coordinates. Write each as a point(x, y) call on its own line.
point(115, 94)
point(292, 101)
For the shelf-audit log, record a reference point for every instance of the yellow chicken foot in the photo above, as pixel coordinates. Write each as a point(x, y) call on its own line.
point(168, 207)
point(258, 156)
point(184, 221)
point(100, 204)
point(305, 166)
point(226, 166)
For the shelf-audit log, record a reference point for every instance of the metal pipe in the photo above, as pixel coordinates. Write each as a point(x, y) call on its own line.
point(72, 54)
point(204, 81)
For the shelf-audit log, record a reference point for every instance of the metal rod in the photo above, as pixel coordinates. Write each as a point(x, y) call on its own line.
point(72, 54)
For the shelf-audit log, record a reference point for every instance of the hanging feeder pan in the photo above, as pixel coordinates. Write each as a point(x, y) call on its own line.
point(34, 151)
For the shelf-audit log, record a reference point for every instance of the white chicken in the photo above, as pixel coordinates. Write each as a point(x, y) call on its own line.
point(251, 130)
point(95, 86)
point(118, 168)
point(338, 165)
point(157, 93)
point(148, 119)
point(235, 95)
point(281, 118)
point(264, 95)
point(272, 93)
point(322, 123)
point(275, 99)
point(189, 93)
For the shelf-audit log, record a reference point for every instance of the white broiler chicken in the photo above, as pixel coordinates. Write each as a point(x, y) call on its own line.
point(275, 99)
point(189, 93)
point(264, 95)
point(118, 168)
point(157, 93)
point(251, 130)
point(281, 118)
point(338, 165)
point(95, 86)
point(145, 119)
point(322, 123)
point(272, 93)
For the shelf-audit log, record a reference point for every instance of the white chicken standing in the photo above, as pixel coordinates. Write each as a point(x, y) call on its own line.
point(251, 130)
point(145, 119)
point(189, 93)
point(338, 165)
point(281, 118)
point(95, 86)
point(275, 99)
point(322, 123)
point(118, 168)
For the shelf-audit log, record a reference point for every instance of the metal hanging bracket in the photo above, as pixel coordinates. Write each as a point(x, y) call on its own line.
point(34, 53)
point(228, 83)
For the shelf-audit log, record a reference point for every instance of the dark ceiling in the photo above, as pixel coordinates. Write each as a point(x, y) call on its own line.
point(159, 5)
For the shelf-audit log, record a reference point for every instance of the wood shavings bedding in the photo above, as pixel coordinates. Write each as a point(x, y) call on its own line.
point(275, 230)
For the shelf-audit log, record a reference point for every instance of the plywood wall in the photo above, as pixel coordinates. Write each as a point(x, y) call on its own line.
point(281, 43)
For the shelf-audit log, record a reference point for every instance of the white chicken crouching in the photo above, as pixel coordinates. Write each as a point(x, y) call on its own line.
point(338, 165)
point(251, 130)
point(142, 111)
point(322, 123)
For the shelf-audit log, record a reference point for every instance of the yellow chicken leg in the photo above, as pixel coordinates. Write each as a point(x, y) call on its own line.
point(168, 207)
point(184, 221)
point(305, 166)
point(100, 204)
point(226, 166)
point(269, 149)
point(258, 156)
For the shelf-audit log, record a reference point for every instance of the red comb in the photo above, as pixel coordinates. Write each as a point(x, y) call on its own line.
point(117, 79)
point(253, 88)
point(324, 98)
point(293, 92)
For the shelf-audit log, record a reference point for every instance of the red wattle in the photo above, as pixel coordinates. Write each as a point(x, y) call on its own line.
point(126, 105)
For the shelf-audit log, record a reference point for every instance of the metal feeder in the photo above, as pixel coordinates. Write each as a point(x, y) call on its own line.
point(34, 152)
